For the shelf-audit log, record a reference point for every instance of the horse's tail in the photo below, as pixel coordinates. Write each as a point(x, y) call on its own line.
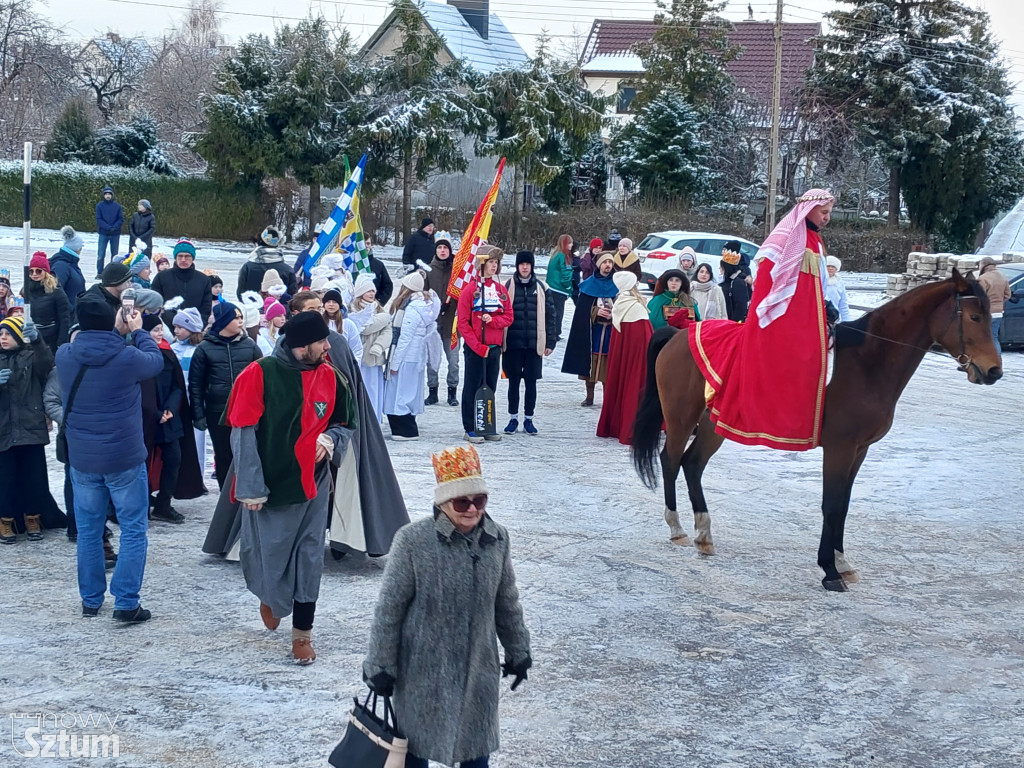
point(649, 418)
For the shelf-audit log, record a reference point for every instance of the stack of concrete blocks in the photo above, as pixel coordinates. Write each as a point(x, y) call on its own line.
point(928, 267)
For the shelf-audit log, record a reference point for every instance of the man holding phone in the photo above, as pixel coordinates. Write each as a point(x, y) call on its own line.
point(115, 279)
point(100, 377)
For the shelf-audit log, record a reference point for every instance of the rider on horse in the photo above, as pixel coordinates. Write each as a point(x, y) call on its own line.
point(766, 377)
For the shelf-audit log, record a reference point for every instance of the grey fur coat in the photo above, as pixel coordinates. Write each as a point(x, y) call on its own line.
point(443, 600)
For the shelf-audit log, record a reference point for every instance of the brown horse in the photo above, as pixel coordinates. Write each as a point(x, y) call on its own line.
point(874, 360)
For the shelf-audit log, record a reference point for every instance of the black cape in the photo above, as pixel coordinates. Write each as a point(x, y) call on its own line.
point(190, 483)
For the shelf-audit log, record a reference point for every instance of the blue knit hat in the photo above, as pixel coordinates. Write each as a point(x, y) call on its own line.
point(223, 313)
point(184, 246)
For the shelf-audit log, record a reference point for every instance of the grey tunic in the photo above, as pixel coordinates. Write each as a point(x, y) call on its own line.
point(443, 600)
point(282, 548)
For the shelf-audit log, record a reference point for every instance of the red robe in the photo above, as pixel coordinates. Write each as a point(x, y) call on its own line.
point(627, 370)
point(768, 384)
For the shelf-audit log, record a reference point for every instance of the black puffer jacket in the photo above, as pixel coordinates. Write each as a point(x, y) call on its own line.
point(523, 333)
point(142, 226)
point(261, 261)
point(420, 245)
point(215, 365)
point(191, 284)
point(737, 295)
point(437, 281)
point(51, 312)
point(22, 418)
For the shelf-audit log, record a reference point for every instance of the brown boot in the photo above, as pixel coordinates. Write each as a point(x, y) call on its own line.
point(33, 528)
point(591, 385)
point(7, 535)
point(302, 648)
point(269, 620)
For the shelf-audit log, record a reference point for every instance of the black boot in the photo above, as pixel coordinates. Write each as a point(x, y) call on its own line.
point(452, 399)
point(431, 397)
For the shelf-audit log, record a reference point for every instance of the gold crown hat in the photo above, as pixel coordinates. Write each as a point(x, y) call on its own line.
point(731, 257)
point(458, 473)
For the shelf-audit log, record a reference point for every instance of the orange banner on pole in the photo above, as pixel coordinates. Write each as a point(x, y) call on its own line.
point(465, 260)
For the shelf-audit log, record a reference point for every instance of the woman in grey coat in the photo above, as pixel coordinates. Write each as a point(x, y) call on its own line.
point(448, 591)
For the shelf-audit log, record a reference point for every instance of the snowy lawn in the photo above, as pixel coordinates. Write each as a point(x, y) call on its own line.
point(645, 654)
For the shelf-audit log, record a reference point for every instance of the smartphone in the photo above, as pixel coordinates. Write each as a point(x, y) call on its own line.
point(127, 304)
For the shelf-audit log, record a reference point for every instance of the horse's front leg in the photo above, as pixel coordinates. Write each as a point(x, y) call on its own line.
point(836, 482)
point(846, 570)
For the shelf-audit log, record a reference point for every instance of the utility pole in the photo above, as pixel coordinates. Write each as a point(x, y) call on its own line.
point(773, 158)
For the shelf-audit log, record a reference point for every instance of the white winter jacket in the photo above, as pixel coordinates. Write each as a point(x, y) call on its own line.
point(417, 325)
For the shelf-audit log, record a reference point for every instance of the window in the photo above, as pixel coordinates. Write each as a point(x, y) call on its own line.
point(651, 242)
point(749, 251)
point(680, 244)
point(624, 106)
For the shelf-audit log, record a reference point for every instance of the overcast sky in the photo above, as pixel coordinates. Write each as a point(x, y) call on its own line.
point(567, 21)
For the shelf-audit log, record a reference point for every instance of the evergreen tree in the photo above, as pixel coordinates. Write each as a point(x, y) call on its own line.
point(882, 66)
point(419, 111)
point(663, 151)
point(583, 178)
point(286, 107)
point(72, 138)
point(955, 181)
point(135, 146)
point(543, 117)
point(687, 55)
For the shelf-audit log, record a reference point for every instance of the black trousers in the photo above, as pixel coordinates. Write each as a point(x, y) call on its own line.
point(478, 371)
point(559, 299)
point(170, 457)
point(220, 436)
point(302, 615)
point(522, 365)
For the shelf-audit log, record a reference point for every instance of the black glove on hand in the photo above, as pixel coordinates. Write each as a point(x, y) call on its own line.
point(382, 684)
point(519, 670)
point(199, 424)
point(831, 313)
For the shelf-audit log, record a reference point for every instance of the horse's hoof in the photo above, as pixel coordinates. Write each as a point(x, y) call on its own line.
point(704, 547)
point(835, 585)
point(850, 577)
point(681, 540)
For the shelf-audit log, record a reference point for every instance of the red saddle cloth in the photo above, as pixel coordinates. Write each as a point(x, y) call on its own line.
point(767, 383)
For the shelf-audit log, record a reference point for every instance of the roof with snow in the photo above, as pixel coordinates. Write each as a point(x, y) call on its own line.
point(609, 50)
point(485, 55)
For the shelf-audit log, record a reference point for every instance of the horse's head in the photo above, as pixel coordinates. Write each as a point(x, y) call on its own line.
point(963, 327)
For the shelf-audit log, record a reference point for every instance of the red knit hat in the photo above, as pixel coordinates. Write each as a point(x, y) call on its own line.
point(39, 261)
point(597, 242)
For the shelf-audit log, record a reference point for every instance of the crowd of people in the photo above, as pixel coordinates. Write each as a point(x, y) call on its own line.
point(292, 382)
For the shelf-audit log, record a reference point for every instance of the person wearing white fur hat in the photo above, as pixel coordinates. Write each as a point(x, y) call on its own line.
point(415, 310)
point(835, 290)
point(374, 327)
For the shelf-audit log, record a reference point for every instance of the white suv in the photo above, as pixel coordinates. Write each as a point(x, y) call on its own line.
point(659, 252)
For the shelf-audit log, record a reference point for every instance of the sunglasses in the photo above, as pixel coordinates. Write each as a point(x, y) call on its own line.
point(36, 271)
point(463, 503)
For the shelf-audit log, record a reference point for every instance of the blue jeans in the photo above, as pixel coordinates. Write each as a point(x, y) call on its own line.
point(411, 761)
point(129, 490)
point(996, 323)
point(101, 256)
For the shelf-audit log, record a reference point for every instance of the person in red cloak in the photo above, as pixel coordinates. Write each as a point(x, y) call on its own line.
point(627, 360)
point(766, 377)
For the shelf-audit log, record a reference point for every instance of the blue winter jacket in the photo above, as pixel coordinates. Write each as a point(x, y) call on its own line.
point(64, 265)
point(104, 425)
point(109, 216)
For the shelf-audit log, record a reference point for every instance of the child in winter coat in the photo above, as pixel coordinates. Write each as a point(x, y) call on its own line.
point(274, 316)
point(484, 313)
point(169, 391)
point(188, 335)
point(374, 326)
point(415, 311)
point(529, 339)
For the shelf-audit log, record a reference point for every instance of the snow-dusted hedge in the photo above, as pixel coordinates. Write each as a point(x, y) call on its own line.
point(67, 193)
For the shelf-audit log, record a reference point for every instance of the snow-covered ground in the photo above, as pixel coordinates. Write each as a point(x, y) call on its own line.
point(645, 654)
point(1008, 234)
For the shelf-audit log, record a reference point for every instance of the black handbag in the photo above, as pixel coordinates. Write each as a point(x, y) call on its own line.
point(371, 741)
point(61, 441)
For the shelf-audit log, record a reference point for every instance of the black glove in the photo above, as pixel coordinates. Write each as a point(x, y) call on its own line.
point(382, 683)
point(831, 313)
point(199, 424)
point(519, 670)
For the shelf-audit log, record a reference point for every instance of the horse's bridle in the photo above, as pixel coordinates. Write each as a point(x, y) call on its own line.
point(963, 359)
